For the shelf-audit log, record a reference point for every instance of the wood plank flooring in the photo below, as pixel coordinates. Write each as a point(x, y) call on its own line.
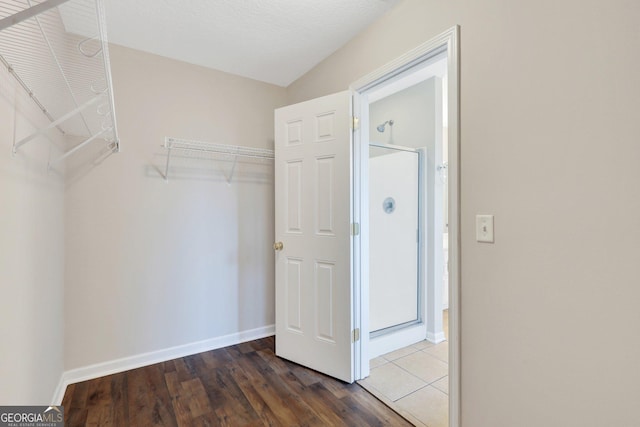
point(241, 385)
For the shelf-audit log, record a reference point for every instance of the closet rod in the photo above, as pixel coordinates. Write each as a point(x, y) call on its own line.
point(102, 31)
point(60, 69)
point(29, 13)
point(29, 92)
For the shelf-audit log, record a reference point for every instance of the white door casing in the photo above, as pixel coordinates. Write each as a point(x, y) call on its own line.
point(448, 42)
point(313, 211)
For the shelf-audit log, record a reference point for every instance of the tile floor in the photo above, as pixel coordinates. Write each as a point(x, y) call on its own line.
point(414, 381)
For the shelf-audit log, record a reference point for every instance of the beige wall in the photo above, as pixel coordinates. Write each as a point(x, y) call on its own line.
point(31, 256)
point(154, 264)
point(549, 142)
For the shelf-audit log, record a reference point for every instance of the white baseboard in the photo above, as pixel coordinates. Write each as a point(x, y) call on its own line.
point(436, 338)
point(132, 362)
point(58, 394)
point(392, 341)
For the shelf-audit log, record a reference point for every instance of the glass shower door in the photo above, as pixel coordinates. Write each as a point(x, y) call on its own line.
point(394, 218)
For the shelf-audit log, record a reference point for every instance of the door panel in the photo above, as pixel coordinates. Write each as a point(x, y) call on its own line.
point(293, 294)
point(293, 202)
point(313, 217)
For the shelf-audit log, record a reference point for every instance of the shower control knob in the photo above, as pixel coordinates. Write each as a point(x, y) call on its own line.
point(278, 246)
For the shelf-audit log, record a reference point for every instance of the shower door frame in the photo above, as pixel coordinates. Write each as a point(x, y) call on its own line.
point(420, 276)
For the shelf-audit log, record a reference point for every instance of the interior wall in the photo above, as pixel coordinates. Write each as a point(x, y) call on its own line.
point(412, 111)
point(153, 264)
point(549, 99)
point(31, 255)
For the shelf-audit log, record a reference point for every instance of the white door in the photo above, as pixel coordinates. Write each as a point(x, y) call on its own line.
point(313, 241)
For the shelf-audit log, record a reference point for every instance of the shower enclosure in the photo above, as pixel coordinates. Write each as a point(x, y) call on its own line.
point(395, 212)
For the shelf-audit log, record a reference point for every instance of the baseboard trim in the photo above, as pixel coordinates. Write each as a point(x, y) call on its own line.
point(124, 364)
point(403, 337)
point(436, 338)
point(58, 394)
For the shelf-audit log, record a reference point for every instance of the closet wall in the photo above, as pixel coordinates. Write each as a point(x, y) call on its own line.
point(153, 264)
point(31, 256)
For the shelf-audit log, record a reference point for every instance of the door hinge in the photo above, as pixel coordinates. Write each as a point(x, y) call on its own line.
point(355, 229)
point(355, 123)
point(356, 335)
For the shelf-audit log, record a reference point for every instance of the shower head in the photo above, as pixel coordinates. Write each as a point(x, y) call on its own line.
point(381, 127)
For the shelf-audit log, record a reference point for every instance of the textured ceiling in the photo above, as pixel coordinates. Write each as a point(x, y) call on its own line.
point(275, 41)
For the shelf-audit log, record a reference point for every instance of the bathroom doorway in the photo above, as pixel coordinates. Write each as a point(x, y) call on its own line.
point(405, 124)
point(407, 168)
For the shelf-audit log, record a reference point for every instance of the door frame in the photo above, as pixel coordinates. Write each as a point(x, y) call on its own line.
point(448, 42)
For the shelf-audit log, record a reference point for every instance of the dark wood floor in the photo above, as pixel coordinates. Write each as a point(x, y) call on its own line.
point(241, 385)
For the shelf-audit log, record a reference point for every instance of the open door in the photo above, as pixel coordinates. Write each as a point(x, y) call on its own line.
point(314, 290)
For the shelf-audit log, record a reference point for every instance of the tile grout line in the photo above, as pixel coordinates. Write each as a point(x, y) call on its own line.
point(428, 383)
point(410, 393)
point(435, 357)
point(401, 368)
point(408, 354)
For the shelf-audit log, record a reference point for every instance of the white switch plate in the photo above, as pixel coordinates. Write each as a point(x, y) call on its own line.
point(484, 228)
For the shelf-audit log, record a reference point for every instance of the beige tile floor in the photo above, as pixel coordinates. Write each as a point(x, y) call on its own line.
point(414, 381)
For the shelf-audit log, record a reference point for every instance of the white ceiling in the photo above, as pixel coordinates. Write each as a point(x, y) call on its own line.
point(275, 41)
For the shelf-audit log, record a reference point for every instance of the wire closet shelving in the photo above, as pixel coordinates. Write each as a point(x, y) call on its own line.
point(57, 51)
point(201, 148)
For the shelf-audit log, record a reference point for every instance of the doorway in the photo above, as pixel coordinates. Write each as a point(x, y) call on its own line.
point(322, 192)
point(406, 229)
point(434, 63)
point(406, 246)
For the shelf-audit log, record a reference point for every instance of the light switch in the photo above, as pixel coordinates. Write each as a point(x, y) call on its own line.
point(484, 228)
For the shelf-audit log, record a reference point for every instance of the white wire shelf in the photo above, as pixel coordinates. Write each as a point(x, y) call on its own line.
point(202, 148)
point(57, 52)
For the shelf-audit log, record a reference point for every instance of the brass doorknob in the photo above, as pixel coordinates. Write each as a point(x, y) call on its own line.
point(278, 246)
